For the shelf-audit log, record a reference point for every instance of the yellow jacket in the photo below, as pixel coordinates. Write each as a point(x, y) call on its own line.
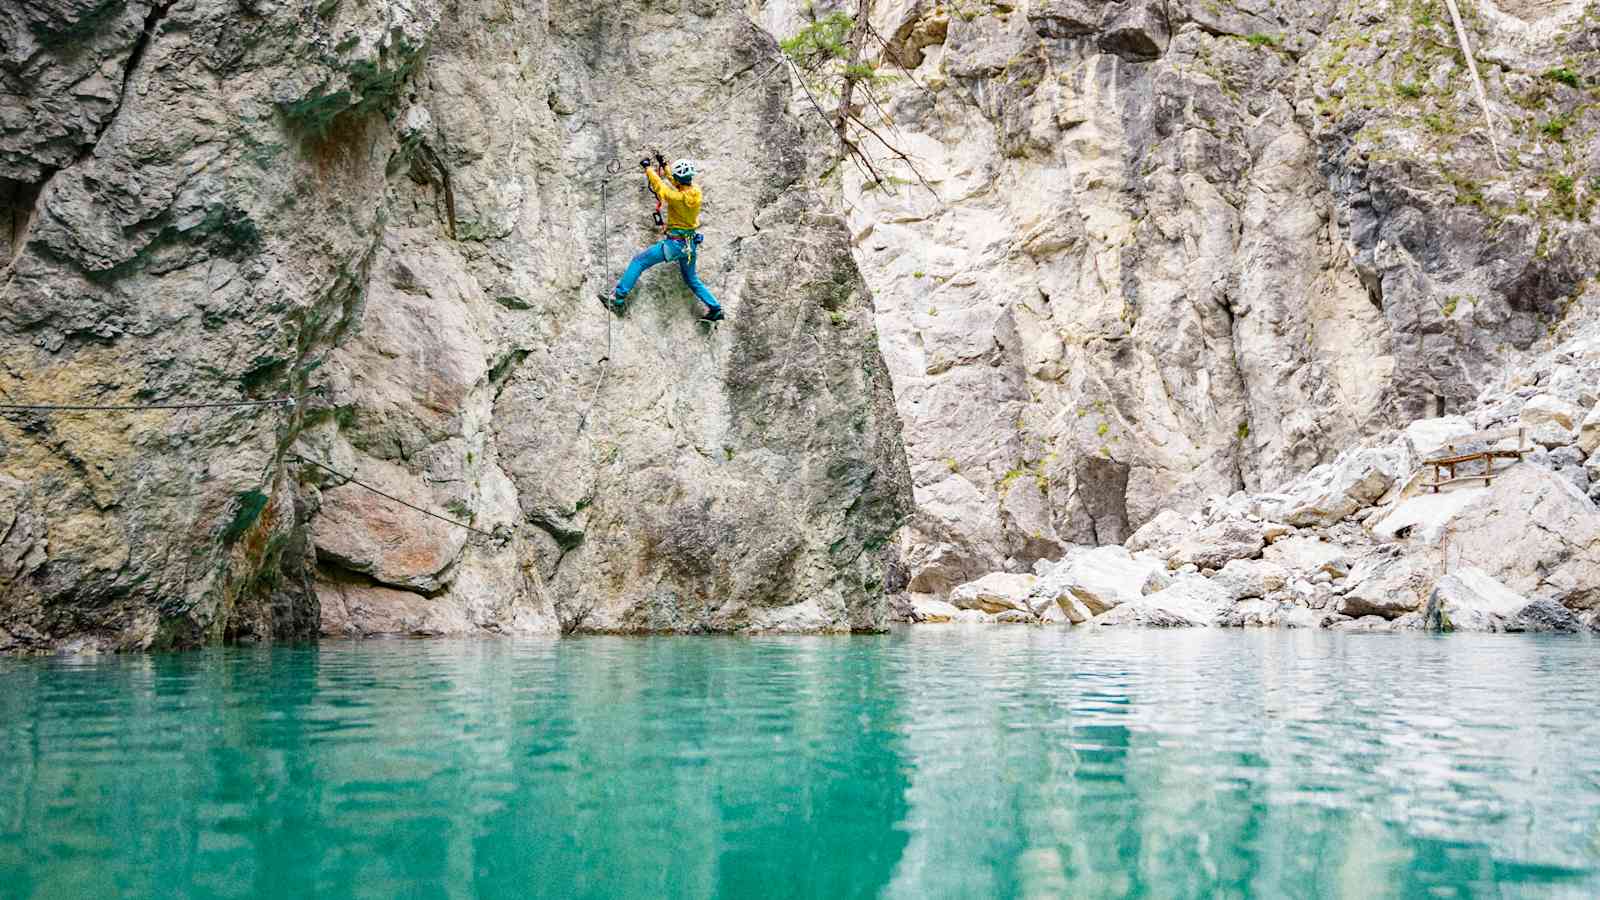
point(683, 204)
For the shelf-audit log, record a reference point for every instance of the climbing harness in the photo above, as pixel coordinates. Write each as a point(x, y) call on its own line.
point(760, 79)
point(689, 238)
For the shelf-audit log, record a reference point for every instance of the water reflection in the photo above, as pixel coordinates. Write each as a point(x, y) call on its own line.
point(930, 763)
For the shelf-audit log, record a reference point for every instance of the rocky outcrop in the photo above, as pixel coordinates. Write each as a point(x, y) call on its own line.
point(1179, 250)
point(1519, 553)
point(375, 211)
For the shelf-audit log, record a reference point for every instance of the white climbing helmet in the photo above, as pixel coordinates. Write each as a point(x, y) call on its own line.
point(683, 170)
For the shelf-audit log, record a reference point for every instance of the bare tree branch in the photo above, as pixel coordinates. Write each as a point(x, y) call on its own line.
point(898, 153)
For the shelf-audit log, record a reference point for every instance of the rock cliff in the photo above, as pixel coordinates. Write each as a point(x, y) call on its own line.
point(1183, 248)
point(1206, 279)
point(399, 214)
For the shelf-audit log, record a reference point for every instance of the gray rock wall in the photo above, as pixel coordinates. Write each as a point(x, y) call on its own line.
point(1186, 248)
point(392, 212)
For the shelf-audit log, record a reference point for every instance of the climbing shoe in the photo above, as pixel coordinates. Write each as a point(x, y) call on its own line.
point(612, 302)
point(712, 315)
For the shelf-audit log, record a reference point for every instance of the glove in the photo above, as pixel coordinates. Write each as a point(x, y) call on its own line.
point(644, 163)
point(661, 160)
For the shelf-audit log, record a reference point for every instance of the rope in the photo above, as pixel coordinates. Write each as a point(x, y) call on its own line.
point(40, 407)
point(605, 278)
point(351, 479)
point(736, 95)
point(613, 167)
point(287, 402)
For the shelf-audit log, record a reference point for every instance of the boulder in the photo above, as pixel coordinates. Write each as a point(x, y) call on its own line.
point(1589, 431)
point(350, 608)
point(1534, 532)
point(1544, 615)
point(1167, 528)
point(1388, 586)
point(1243, 578)
point(995, 593)
point(1427, 437)
point(1189, 602)
point(1364, 623)
point(928, 608)
point(1216, 545)
point(1251, 612)
point(1098, 580)
point(1550, 435)
point(1332, 491)
point(1424, 516)
point(360, 531)
point(1305, 555)
point(1469, 599)
point(1546, 409)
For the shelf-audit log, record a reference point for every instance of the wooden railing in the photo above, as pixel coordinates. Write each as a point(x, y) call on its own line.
point(1453, 458)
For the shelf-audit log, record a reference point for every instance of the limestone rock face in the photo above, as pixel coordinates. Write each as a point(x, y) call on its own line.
point(400, 218)
point(1188, 248)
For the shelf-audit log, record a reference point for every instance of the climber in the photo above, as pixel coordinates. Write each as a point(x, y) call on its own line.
point(681, 242)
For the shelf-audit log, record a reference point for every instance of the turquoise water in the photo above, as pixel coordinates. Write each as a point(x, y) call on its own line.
point(938, 762)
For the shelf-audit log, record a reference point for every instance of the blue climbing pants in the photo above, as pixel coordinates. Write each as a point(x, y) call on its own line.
point(675, 250)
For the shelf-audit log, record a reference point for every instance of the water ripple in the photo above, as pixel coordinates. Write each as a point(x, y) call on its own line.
point(928, 763)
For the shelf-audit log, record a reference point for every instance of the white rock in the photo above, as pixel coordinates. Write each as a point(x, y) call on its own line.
point(1330, 492)
point(1215, 545)
point(932, 609)
point(1469, 599)
point(1589, 431)
point(1364, 623)
point(1545, 409)
point(995, 592)
point(1426, 437)
point(1250, 578)
point(1389, 586)
point(1305, 555)
point(1099, 580)
point(1551, 435)
point(1192, 601)
point(1166, 529)
point(1534, 532)
point(1424, 516)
